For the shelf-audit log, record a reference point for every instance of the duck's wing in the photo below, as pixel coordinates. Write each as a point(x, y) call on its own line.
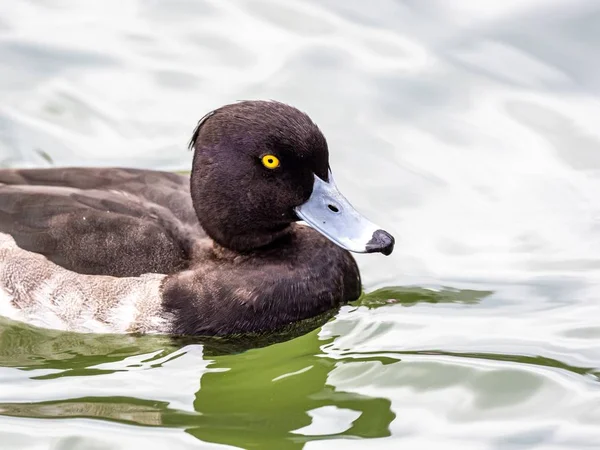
point(94, 231)
point(167, 189)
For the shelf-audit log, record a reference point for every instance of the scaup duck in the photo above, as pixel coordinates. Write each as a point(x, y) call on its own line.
point(217, 253)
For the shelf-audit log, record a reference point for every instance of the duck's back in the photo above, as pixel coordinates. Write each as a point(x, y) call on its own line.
point(107, 221)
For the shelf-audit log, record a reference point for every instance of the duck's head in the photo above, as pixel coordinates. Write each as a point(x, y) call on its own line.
point(260, 166)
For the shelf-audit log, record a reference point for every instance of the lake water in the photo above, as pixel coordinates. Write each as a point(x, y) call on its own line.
point(467, 129)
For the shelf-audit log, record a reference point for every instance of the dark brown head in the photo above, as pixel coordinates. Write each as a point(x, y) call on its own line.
point(261, 165)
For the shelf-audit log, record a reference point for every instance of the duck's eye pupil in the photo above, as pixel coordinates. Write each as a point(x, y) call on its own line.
point(270, 161)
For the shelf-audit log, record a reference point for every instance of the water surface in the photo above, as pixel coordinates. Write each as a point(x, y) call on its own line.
point(468, 130)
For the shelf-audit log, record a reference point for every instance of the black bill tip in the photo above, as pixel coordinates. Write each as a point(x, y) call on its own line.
point(382, 242)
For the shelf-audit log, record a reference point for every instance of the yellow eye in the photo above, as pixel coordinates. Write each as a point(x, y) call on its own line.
point(270, 161)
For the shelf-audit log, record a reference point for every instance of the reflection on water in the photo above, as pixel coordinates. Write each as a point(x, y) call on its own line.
point(410, 296)
point(257, 398)
point(122, 412)
point(468, 128)
point(298, 392)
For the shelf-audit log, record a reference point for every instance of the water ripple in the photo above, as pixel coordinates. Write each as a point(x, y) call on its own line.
point(469, 129)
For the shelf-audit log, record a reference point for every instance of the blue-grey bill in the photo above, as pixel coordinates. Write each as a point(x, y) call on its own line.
point(328, 212)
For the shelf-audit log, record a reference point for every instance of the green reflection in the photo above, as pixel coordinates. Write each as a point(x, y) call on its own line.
point(263, 391)
point(410, 296)
point(252, 398)
point(265, 394)
point(123, 410)
point(29, 347)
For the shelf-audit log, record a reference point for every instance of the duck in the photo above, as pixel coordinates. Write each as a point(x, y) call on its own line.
point(256, 238)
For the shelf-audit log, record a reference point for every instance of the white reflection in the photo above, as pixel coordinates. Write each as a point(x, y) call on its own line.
point(174, 379)
point(20, 434)
point(328, 420)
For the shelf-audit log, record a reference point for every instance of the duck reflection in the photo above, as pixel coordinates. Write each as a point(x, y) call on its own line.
point(281, 393)
point(242, 392)
point(121, 412)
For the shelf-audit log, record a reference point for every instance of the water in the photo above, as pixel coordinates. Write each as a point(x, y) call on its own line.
point(469, 130)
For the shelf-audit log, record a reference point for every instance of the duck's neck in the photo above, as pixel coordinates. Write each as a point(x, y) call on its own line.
point(252, 241)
